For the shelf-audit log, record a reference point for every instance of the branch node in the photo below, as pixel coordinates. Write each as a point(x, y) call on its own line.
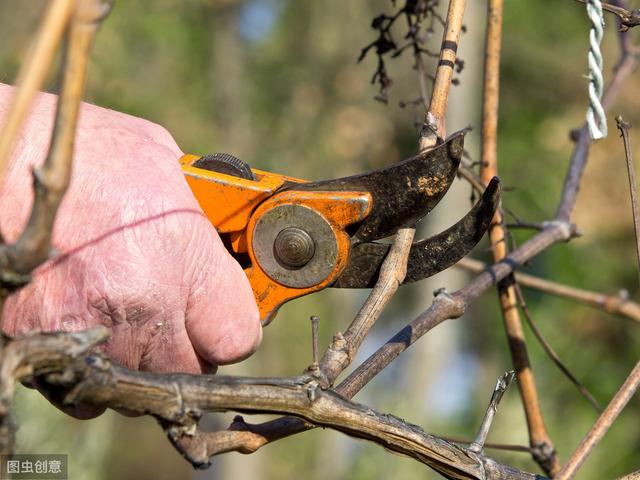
point(629, 19)
point(91, 337)
point(190, 446)
point(454, 305)
point(544, 454)
point(339, 342)
point(98, 362)
point(613, 302)
point(567, 230)
point(93, 12)
point(622, 125)
point(429, 130)
point(312, 389)
point(238, 423)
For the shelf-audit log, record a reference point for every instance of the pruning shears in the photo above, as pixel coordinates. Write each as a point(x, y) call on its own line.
point(294, 237)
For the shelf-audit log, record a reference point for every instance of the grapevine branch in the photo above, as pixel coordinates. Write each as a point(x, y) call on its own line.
point(543, 450)
point(616, 304)
point(32, 75)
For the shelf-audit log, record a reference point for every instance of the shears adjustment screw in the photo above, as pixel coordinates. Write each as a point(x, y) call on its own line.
point(227, 164)
point(293, 247)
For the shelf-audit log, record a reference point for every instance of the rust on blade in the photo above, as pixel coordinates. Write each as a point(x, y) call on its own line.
point(429, 256)
point(402, 193)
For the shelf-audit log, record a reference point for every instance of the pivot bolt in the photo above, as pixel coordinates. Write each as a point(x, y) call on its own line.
point(294, 247)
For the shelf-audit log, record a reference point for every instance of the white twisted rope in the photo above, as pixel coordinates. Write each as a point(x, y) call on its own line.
point(596, 118)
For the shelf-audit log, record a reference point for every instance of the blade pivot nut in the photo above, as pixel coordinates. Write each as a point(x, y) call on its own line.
point(294, 247)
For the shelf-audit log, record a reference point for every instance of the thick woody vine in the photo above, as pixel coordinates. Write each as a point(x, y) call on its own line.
point(65, 363)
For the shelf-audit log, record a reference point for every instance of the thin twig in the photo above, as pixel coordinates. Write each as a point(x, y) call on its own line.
point(538, 436)
point(33, 72)
point(501, 386)
point(616, 304)
point(314, 341)
point(434, 129)
point(392, 272)
point(618, 402)
point(33, 246)
point(551, 353)
point(633, 189)
point(470, 176)
point(628, 18)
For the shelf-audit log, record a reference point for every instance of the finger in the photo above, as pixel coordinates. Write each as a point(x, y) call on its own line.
point(169, 349)
point(222, 319)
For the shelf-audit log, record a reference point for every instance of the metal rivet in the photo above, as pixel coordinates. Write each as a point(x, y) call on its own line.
point(294, 247)
point(282, 217)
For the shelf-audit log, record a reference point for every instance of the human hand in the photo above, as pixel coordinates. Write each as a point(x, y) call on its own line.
point(136, 253)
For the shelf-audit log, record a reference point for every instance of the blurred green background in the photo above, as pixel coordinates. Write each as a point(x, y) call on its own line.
point(276, 83)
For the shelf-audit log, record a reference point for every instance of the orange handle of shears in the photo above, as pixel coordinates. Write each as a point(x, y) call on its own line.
point(235, 206)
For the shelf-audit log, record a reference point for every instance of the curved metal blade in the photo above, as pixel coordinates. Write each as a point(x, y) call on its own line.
point(402, 193)
point(429, 256)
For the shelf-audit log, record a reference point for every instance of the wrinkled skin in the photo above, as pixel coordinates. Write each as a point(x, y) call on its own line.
point(136, 253)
